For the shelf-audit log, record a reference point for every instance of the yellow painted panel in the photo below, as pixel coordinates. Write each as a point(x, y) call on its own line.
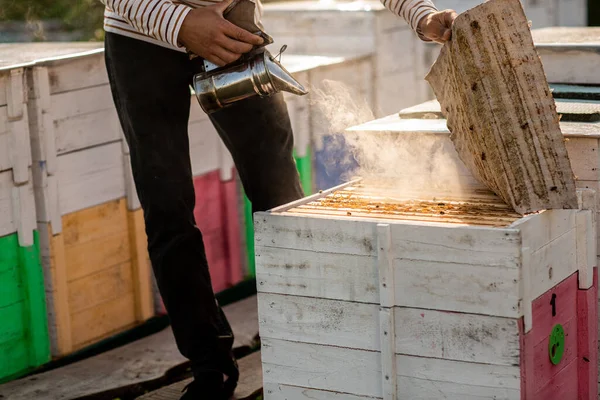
point(103, 320)
point(109, 284)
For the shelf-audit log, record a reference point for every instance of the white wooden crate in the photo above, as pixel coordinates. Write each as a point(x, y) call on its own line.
point(354, 29)
point(17, 206)
point(569, 55)
point(358, 307)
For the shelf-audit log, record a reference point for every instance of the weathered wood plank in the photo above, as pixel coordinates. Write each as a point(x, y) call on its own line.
point(419, 332)
point(501, 114)
point(101, 321)
point(274, 391)
point(90, 177)
point(358, 372)
point(330, 368)
point(325, 275)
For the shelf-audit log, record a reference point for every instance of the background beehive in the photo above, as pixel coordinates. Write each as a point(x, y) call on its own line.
point(24, 340)
point(91, 228)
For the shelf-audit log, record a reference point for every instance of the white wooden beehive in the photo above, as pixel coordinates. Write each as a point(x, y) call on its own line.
point(569, 55)
point(355, 29)
point(363, 294)
point(17, 206)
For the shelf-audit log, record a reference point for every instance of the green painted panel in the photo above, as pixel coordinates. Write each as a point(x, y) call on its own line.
point(9, 255)
point(13, 359)
point(11, 290)
point(13, 324)
point(33, 279)
point(249, 227)
point(24, 342)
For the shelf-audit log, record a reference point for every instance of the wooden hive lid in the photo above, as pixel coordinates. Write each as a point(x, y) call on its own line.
point(18, 55)
point(493, 92)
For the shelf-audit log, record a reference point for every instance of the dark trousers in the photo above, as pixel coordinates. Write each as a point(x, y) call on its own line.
point(151, 91)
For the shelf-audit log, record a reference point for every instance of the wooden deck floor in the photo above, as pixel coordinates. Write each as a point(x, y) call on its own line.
point(249, 387)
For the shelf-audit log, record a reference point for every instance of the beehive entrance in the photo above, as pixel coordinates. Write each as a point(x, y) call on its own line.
point(377, 200)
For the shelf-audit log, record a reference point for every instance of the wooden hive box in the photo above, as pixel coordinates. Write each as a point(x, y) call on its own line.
point(92, 236)
point(355, 29)
point(24, 342)
point(365, 293)
point(569, 55)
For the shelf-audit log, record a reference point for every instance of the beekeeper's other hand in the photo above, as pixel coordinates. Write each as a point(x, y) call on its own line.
point(437, 26)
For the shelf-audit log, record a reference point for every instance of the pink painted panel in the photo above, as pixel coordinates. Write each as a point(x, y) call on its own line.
point(562, 386)
point(587, 317)
point(234, 231)
point(556, 306)
point(209, 218)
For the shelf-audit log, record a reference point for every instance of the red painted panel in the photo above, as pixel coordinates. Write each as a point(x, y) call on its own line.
point(587, 317)
point(565, 308)
point(562, 386)
point(234, 231)
point(209, 217)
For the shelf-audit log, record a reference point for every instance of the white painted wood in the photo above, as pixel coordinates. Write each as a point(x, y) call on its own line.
point(84, 118)
point(312, 197)
point(77, 73)
point(425, 389)
point(356, 372)
point(570, 64)
point(5, 158)
point(15, 94)
point(540, 229)
point(477, 289)
point(385, 266)
point(43, 140)
point(7, 220)
point(46, 197)
point(337, 369)
point(273, 391)
point(483, 375)
point(457, 336)
point(317, 274)
point(90, 177)
point(19, 148)
point(586, 253)
point(585, 158)
point(225, 162)
point(525, 287)
point(423, 333)
point(387, 335)
point(413, 240)
point(552, 263)
point(204, 146)
point(319, 321)
point(24, 213)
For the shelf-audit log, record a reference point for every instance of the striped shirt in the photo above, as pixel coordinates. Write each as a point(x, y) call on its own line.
point(159, 21)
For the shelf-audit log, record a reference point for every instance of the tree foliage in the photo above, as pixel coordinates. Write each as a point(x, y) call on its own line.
point(79, 15)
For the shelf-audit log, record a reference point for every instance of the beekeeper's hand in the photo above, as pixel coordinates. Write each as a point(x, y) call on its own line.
point(437, 26)
point(207, 34)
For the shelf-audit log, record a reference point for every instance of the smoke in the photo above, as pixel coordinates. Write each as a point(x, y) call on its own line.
point(419, 164)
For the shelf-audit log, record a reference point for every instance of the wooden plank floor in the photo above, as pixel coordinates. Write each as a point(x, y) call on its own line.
point(144, 360)
point(249, 386)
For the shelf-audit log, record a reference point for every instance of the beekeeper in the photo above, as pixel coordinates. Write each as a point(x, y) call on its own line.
point(150, 74)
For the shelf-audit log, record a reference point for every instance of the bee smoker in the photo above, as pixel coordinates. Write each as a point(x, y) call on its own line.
point(256, 73)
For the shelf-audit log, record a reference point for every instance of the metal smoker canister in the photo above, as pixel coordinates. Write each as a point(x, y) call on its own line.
point(258, 75)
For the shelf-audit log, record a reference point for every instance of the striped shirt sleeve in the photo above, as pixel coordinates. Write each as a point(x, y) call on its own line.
point(158, 19)
point(411, 10)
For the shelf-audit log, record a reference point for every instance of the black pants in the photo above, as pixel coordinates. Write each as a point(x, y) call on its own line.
point(150, 86)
